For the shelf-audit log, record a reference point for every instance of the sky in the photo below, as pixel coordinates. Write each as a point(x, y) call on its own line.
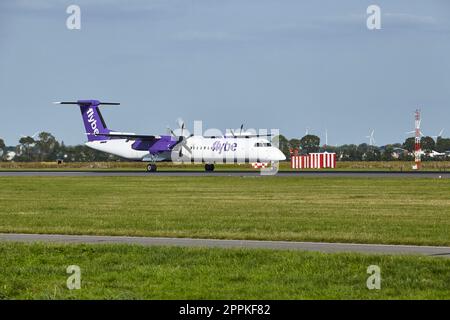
point(290, 65)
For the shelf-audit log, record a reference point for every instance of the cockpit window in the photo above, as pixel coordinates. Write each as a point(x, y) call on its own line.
point(263, 144)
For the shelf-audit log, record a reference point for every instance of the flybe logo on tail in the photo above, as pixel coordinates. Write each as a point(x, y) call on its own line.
point(92, 121)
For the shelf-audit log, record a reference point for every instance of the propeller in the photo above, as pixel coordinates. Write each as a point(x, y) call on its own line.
point(171, 132)
point(240, 130)
point(182, 140)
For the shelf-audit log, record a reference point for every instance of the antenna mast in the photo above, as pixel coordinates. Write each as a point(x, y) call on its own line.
point(417, 147)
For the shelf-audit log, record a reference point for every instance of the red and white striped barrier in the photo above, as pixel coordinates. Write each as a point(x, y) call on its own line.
point(314, 161)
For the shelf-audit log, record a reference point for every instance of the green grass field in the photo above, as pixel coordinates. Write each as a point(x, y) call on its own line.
point(371, 210)
point(365, 210)
point(132, 272)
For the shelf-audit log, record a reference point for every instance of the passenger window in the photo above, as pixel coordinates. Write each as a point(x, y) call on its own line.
point(263, 144)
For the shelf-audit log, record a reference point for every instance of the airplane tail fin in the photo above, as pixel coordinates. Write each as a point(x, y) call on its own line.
point(92, 118)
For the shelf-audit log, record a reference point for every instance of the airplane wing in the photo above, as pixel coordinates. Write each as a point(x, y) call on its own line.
point(130, 136)
point(242, 136)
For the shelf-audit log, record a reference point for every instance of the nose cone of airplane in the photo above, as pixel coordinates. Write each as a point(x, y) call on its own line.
point(278, 155)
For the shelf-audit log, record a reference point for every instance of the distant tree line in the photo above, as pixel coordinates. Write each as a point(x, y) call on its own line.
point(46, 148)
point(365, 152)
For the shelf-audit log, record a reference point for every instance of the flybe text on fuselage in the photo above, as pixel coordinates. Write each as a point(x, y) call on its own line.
point(223, 146)
point(92, 121)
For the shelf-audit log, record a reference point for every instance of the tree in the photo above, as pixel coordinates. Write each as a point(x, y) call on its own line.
point(368, 153)
point(283, 145)
point(294, 143)
point(47, 147)
point(363, 148)
point(310, 143)
point(427, 144)
point(348, 152)
point(2, 148)
point(25, 148)
point(409, 144)
point(387, 154)
point(373, 154)
point(328, 148)
point(442, 144)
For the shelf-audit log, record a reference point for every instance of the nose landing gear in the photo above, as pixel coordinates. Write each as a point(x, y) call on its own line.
point(151, 167)
point(209, 167)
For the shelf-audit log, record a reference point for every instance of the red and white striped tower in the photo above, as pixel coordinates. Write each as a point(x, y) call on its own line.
point(417, 148)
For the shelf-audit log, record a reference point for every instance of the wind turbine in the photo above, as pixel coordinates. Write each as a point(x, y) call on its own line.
point(308, 131)
point(439, 135)
point(413, 132)
point(417, 126)
point(371, 138)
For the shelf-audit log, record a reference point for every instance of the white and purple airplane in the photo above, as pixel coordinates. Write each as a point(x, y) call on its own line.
point(235, 148)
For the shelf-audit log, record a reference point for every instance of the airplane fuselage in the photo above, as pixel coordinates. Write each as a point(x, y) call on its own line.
point(197, 149)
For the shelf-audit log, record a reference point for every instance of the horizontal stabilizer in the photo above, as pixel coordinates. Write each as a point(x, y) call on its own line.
point(88, 102)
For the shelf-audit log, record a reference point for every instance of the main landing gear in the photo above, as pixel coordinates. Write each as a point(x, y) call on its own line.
point(151, 167)
point(209, 167)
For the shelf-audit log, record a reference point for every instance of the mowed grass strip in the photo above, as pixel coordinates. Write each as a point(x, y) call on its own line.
point(38, 271)
point(169, 166)
point(361, 210)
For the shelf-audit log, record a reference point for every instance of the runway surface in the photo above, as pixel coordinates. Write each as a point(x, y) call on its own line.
point(213, 243)
point(179, 173)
